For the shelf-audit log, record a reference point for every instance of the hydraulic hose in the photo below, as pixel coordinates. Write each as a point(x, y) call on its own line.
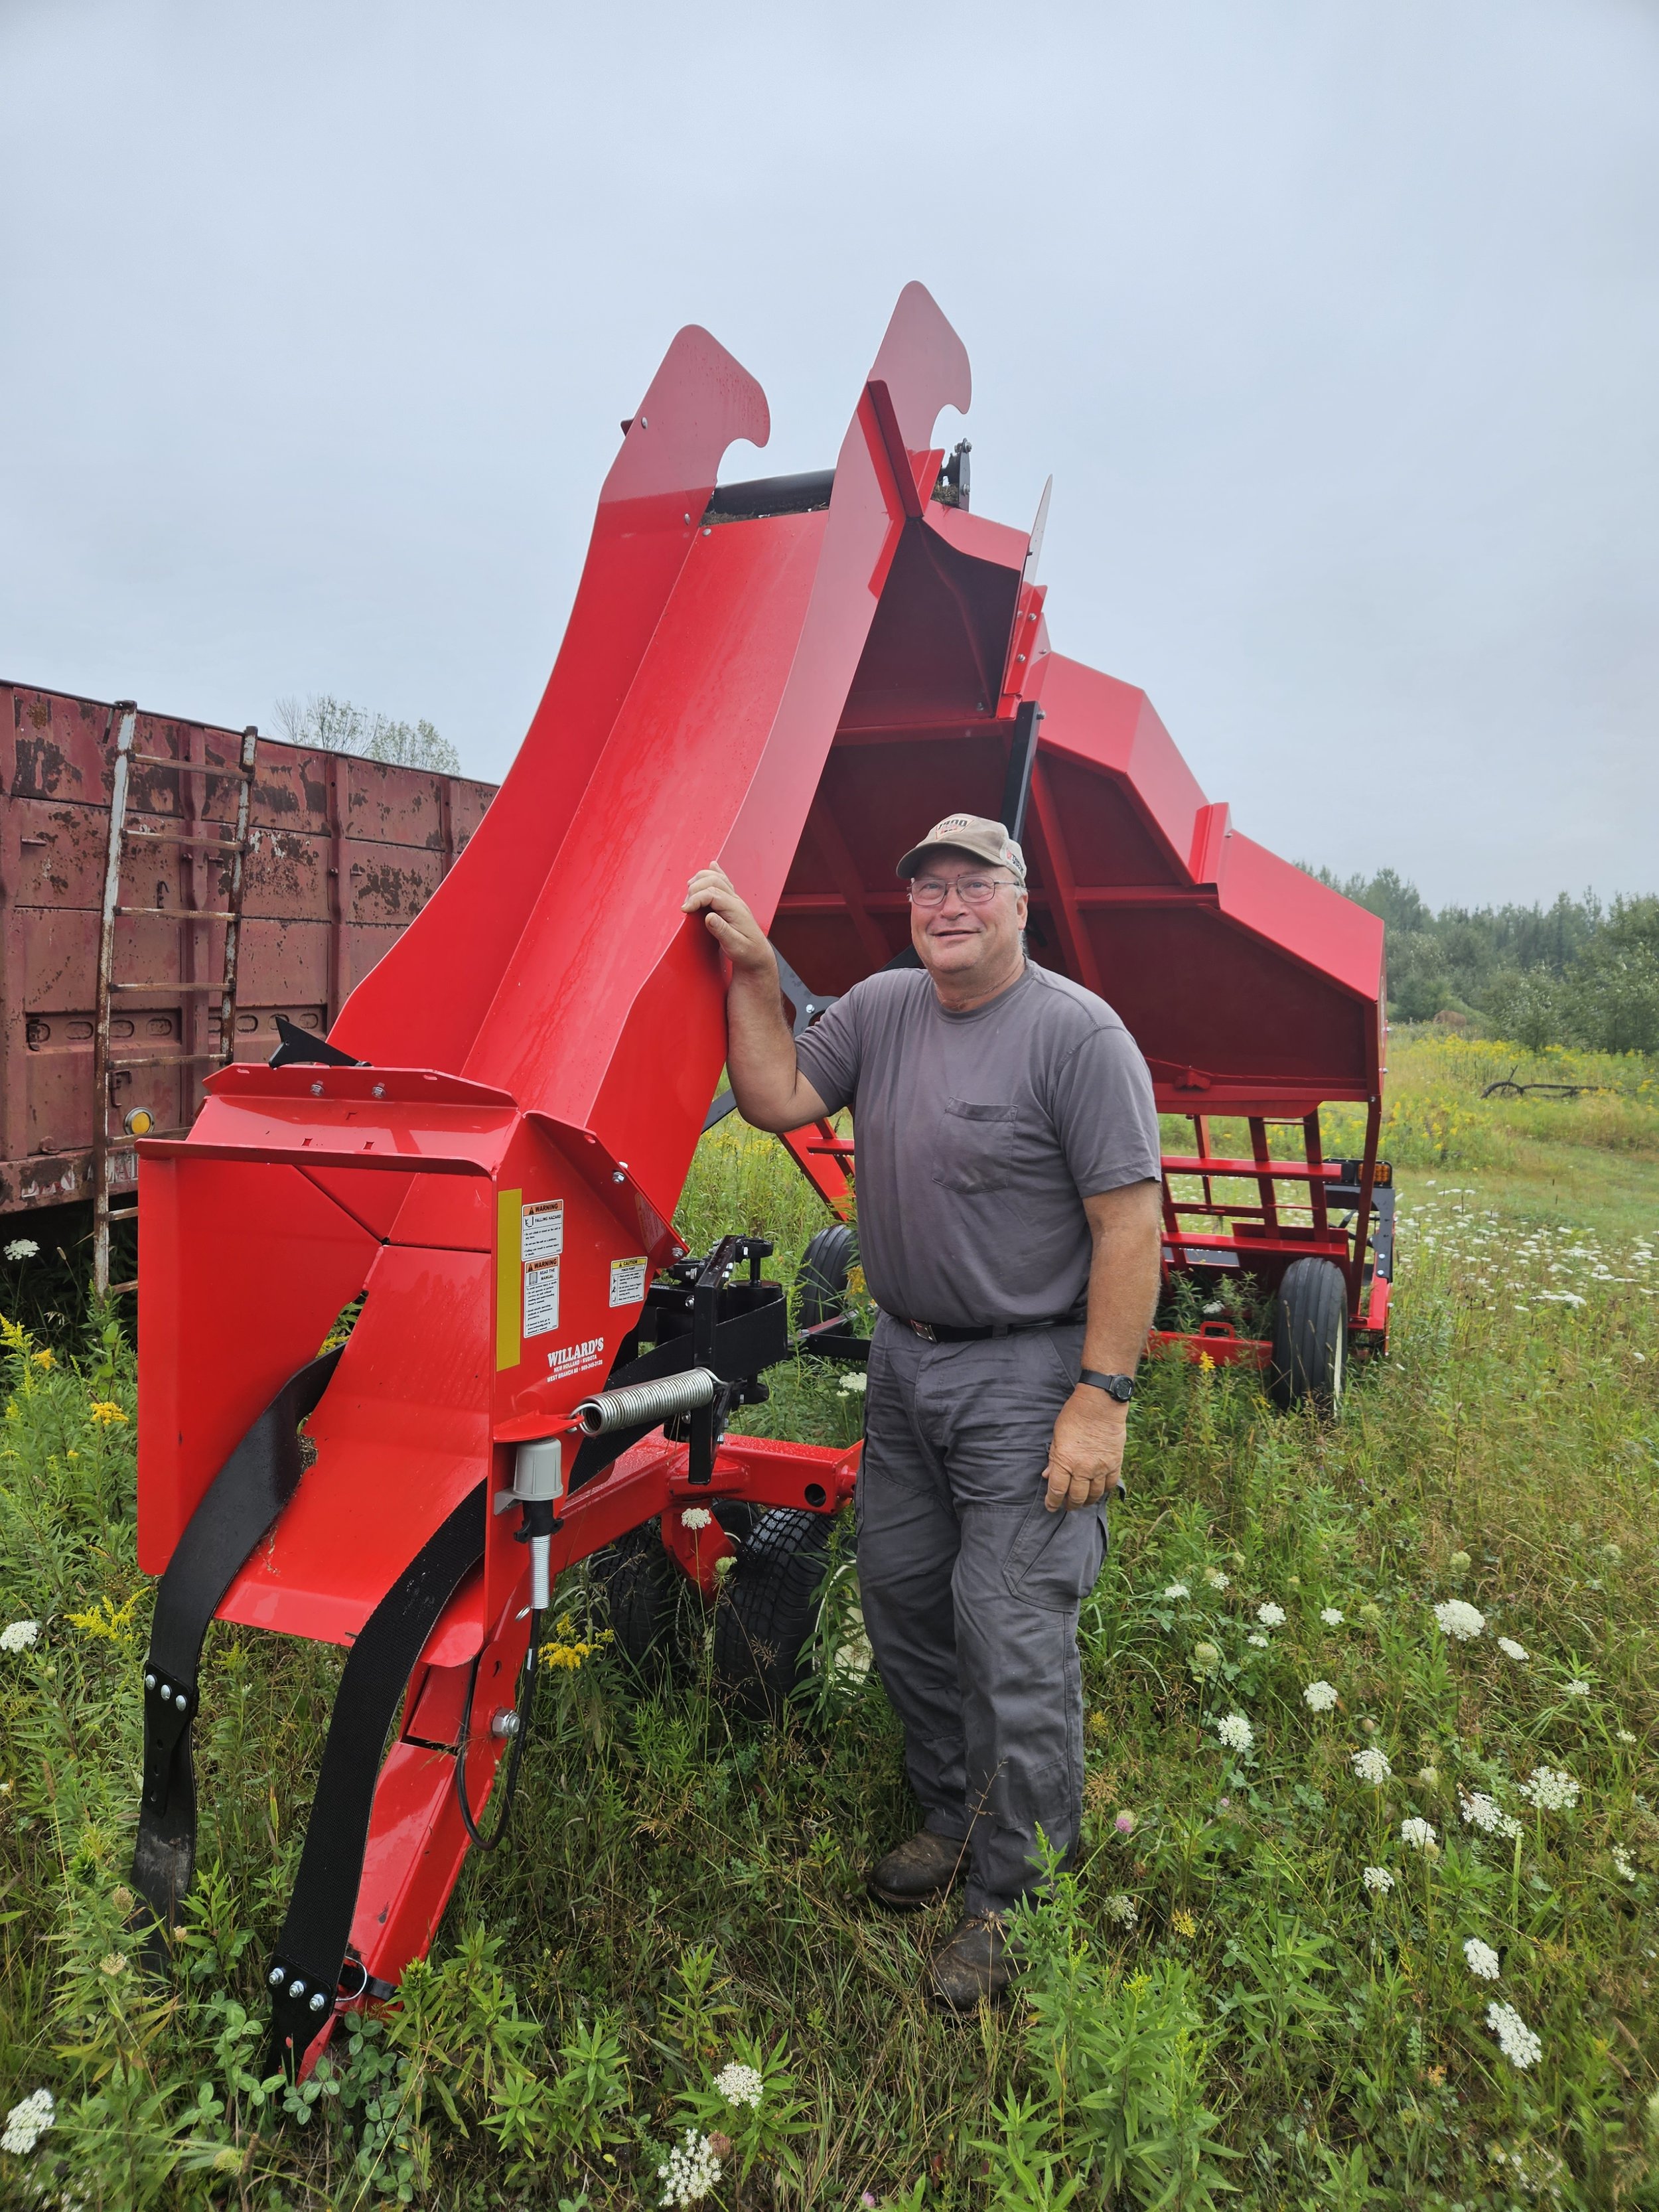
point(521, 1716)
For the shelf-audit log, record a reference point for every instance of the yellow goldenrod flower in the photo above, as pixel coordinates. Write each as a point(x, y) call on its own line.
point(1183, 1924)
point(108, 1413)
point(45, 1358)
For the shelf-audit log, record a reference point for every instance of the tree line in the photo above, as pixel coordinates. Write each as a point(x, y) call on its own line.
point(1579, 972)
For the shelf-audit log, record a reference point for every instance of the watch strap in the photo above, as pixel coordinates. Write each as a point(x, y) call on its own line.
point(1120, 1387)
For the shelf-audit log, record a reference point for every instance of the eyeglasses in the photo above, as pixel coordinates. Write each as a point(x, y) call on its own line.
point(973, 890)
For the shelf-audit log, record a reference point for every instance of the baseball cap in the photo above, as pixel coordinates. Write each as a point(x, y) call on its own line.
point(976, 833)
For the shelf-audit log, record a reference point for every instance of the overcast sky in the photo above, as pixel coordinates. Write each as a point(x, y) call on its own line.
point(1337, 324)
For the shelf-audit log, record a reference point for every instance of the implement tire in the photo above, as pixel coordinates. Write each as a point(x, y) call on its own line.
point(639, 1581)
point(1311, 1337)
point(769, 1610)
point(821, 1279)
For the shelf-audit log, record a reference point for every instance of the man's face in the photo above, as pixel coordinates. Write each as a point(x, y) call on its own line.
point(959, 937)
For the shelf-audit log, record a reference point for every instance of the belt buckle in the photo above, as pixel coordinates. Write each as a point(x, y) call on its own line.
point(925, 1331)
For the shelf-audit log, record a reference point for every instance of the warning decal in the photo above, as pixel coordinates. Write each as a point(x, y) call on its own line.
point(628, 1280)
point(541, 1298)
point(541, 1234)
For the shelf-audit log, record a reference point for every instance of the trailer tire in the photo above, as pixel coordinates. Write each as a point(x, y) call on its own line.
point(1311, 1337)
point(639, 1581)
point(768, 1610)
point(821, 1278)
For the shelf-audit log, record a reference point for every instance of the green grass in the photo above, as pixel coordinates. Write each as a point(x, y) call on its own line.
point(1218, 2003)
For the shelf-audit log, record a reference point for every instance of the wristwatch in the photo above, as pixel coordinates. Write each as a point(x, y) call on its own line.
point(1120, 1387)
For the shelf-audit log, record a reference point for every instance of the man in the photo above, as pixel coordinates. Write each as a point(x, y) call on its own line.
point(1008, 1180)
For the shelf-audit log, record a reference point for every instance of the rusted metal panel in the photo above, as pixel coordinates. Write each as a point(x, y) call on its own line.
point(342, 854)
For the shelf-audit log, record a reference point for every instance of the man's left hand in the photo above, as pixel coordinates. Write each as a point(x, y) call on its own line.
point(1086, 1453)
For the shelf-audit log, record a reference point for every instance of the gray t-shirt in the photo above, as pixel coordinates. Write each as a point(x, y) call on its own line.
point(979, 1135)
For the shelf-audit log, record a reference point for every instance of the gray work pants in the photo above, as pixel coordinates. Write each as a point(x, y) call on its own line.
point(971, 1588)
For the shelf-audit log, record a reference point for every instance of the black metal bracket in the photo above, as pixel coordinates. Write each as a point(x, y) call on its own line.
point(299, 1048)
point(808, 1005)
point(168, 1704)
point(1022, 758)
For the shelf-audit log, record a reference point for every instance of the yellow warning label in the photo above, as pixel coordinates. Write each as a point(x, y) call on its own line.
point(508, 1272)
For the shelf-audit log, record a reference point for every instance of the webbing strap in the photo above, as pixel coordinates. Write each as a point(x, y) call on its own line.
point(240, 1504)
point(304, 1973)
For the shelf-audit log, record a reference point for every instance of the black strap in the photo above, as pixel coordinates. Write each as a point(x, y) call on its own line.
point(304, 1974)
point(240, 1504)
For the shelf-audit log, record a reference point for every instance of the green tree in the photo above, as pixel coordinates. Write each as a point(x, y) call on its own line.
point(337, 726)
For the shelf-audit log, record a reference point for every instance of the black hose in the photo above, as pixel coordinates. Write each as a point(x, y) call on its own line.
point(526, 1693)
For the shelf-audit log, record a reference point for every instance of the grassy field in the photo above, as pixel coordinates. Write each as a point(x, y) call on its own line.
point(1272, 1983)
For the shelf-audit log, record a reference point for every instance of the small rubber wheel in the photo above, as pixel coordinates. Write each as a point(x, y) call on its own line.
point(1310, 1336)
point(821, 1279)
point(768, 1610)
point(639, 1581)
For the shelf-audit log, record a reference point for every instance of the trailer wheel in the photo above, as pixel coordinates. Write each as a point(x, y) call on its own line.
point(639, 1581)
point(768, 1610)
point(821, 1279)
point(1310, 1336)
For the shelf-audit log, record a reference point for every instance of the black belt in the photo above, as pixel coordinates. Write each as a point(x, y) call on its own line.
point(947, 1332)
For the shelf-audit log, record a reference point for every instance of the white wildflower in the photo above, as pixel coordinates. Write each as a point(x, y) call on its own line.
point(1511, 1649)
point(20, 1636)
point(1483, 1960)
point(1481, 1811)
point(1121, 1909)
point(1371, 1765)
point(27, 2122)
point(1579, 1689)
point(1627, 1735)
point(1216, 1579)
point(1378, 1880)
point(1271, 1615)
point(1418, 1833)
point(1622, 1865)
point(1260, 1642)
point(1551, 1791)
point(696, 1517)
point(1235, 1732)
point(1331, 1617)
point(855, 1382)
point(691, 2170)
point(25, 1248)
point(1458, 1618)
point(1320, 1697)
point(740, 2085)
point(1429, 1777)
point(1178, 1589)
point(1514, 2038)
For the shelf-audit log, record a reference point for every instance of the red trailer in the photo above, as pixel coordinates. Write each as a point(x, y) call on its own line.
point(170, 890)
point(788, 676)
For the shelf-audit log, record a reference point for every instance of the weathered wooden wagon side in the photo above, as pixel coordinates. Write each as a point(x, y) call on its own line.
point(337, 856)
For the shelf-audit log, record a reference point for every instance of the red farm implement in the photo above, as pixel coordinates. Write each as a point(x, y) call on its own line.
point(788, 676)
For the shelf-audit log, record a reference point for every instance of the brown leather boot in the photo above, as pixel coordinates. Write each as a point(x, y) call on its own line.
point(974, 1965)
point(919, 1870)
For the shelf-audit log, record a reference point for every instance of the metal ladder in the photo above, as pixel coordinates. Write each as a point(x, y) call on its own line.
point(125, 838)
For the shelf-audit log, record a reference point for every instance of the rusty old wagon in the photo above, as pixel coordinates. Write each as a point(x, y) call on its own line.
point(169, 890)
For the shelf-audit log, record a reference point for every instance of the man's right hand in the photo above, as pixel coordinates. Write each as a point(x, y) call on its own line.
point(731, 924)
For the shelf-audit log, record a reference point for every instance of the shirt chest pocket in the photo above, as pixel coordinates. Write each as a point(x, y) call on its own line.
point(976, 1147)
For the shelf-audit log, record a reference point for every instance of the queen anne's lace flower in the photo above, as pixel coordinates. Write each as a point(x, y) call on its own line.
point(1487, 1814)
point(20, 1635)
point(1551, 1791)
point(1260, 1642)
point(1320, 1696)
point(1122, 1909)
point(1511, 1649)
point(27, 2122)
point(1331, 1616)
point(695, 1516)
point(1271, 1615)
point(1235, 1732)
point(1482, 1960)
point(1178, 1589)
point(1417, 1832)
point(1378, 1880)
point(1622, 1865)
point(1216, 1579)
point(24, 1247)
point(1371, 1765)
point(740, 2085)
point(691, 2170)
point(855, 1381)
point(1579, 1689)
point(1514, 2038)
point(1457, 1618)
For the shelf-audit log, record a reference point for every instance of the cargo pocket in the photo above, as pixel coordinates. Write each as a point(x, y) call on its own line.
point(976, 1147)
point(1055, 1557)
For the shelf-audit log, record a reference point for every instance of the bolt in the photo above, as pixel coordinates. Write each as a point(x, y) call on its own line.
point(317, 2001)
point(505, 1724)
point(616, 1176)
point(297, 1990)
point(166, 1695)
point(316, 1090)
point(379, 1090)
point(149, 1682)
point(275, 1978)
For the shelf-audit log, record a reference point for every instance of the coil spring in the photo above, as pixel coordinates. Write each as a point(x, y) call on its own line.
point(647, 1402)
